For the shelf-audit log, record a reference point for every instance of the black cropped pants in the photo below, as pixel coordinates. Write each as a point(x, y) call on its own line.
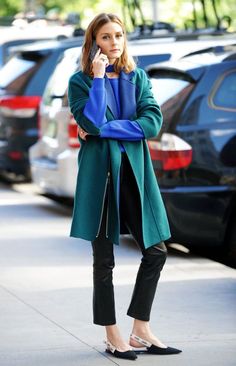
point(152, 262)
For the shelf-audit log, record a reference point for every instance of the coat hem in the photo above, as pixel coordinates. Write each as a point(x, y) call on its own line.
point(89, 238)
point(147, 245)
point(156, 242)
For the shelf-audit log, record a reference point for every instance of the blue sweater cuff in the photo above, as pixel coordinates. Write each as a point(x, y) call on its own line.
point(98, 83)
point(122, 130)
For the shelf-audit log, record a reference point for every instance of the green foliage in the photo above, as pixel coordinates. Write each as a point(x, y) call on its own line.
point(181, 12)
point(178, 12)
point(10, 7)
point(68, 6)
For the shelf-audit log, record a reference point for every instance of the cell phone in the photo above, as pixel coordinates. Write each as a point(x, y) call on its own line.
point(93, 50)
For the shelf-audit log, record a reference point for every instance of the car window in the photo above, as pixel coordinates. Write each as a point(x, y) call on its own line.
point(146, 60)
point(224, 92)
point(166, 88)
point(58, 82)
point(171, 91)
point(17, 72)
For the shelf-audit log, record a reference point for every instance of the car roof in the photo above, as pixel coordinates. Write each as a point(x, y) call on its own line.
point(139, 46)
point(47, 45)
point(197, 60)
point(176, 48)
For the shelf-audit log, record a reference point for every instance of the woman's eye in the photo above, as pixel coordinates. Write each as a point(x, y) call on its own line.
point(105, 37)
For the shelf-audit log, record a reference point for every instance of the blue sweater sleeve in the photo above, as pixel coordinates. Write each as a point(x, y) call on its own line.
point(95, 110)
point(122, 129)
point(96, 105)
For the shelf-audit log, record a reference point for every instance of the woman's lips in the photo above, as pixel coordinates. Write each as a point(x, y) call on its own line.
point(116, 50)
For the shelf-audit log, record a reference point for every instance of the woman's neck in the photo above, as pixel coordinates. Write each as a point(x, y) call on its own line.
point(110, 72)
point(112, 75)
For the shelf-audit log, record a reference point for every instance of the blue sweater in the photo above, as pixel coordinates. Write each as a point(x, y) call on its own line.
point(95, 110)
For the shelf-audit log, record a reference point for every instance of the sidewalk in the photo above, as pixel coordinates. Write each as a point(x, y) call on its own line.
point(46, 312)
point(46, 296)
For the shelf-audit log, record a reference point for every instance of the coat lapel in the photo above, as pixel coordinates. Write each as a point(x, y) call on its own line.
point(127, 95)
point(111, 100)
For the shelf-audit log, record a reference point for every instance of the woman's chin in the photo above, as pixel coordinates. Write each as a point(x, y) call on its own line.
point(114, 55)
point(112, 59)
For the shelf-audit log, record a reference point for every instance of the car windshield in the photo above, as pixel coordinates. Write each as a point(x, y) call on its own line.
point(17, 72)
point(171, 90)
point(166, 88)
point(58, 82)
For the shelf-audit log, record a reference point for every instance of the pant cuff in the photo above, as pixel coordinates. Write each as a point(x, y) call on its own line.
point(138, 316)
point(104, 323)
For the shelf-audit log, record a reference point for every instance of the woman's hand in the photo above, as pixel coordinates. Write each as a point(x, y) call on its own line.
point(82, 134)
point(100, 62)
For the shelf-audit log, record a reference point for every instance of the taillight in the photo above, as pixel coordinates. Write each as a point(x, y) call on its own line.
point(172, 152)
point(19, 106)
point(73, 133)
point(15, 155)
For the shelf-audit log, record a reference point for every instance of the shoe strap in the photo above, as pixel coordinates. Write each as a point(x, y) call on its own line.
point(110, 346)
point(140, 340)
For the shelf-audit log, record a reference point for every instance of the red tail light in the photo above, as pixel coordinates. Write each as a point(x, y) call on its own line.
point(172, 151)
point(73, 133)
point(19, 106)
point(15, 155)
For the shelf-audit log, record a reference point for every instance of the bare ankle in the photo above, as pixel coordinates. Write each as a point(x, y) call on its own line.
point(141, 327)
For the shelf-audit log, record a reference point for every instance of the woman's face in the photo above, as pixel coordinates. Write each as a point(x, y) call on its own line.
point(110, 39)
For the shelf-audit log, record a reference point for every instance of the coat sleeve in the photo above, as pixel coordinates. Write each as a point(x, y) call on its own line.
point(149, 115)
point(78, 94)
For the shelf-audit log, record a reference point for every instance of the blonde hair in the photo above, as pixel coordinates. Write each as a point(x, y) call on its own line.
point(125, 62)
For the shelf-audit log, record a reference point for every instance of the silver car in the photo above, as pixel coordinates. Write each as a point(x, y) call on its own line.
point(54, 157)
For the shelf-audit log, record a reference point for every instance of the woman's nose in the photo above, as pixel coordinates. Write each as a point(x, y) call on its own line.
point(114, 40)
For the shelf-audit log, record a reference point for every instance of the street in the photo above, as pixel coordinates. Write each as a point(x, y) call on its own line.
point(46, 294)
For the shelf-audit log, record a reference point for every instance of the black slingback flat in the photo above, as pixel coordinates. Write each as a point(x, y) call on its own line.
point(128, 355)
point(152, 349)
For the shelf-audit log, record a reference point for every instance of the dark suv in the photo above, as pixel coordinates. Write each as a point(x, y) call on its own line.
point(198, 100)
point(22, 82)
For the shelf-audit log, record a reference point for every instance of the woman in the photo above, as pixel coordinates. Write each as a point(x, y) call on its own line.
point(117, 190)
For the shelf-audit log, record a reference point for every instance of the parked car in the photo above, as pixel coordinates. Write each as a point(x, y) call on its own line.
point(22, 83)
point(198, 100)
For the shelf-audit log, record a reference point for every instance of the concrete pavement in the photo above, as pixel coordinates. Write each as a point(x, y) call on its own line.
point(46, 295)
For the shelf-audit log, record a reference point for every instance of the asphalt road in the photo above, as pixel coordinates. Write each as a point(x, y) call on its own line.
point(46, 294)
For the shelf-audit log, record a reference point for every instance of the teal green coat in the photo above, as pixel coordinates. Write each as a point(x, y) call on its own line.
point(96, 154)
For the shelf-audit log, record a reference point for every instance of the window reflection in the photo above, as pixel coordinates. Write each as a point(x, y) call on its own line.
point(225, 94)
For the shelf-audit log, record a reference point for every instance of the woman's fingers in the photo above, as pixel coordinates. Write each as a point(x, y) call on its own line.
point(99, 64)
point(82, 133)
point(97, 53)
point(99, 56)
